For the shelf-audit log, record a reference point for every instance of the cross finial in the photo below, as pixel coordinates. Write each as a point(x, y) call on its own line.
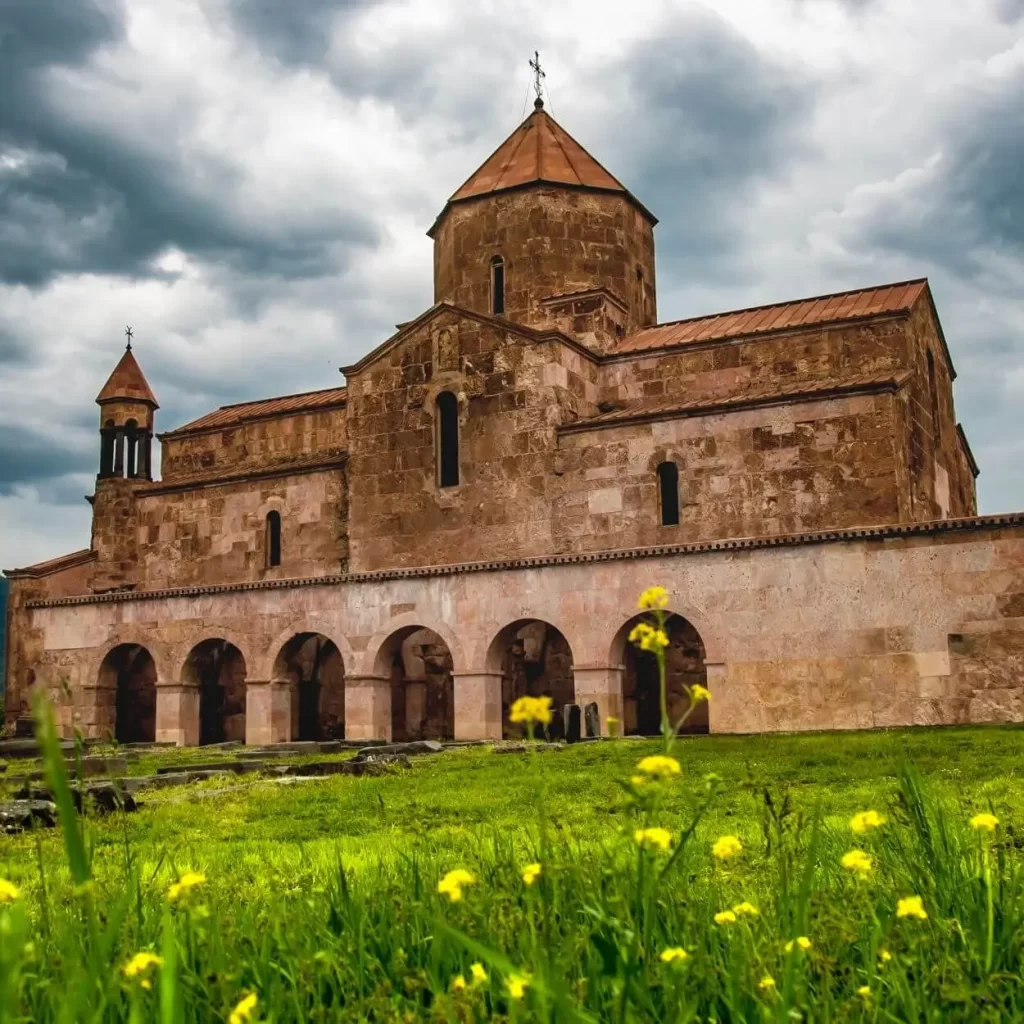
point(128, 331)
point(538, 74)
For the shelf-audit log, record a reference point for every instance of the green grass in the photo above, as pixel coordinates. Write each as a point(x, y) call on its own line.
point(321, 896)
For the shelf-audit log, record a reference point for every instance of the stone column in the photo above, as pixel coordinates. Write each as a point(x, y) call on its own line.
point(477, 705)
point(268, 712)
point(601, 684)
point(368, 708)
point(177, 714)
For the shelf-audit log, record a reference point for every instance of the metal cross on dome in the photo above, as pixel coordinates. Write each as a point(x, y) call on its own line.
point(537, 73)
point(128, 332)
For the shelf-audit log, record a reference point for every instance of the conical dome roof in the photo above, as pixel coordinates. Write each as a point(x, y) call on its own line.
point(127, 382)
point(539, 151)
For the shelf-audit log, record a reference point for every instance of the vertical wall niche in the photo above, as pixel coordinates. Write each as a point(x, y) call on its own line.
point(668, 493)
point(497, 286)
point(447, 442)
point(273, 539)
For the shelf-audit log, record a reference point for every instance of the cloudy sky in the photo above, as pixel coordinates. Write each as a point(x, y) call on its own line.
point(248, 182)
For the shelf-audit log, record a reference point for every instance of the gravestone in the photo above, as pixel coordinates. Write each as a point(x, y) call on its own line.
point(571, 718)
point(555, 729)
point(592, 719)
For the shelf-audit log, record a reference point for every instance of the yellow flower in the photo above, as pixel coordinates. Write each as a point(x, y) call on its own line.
point(478, 972)
point(699, 693)
point(864, 991)
point(745, 909)
point(531, 711)
point(452, 884)
point(243, 1011)
point(911, 906)
point(653, 598)
point(767, 984)
point(725, 917)
point(517, 985)
point(648, 638)
point(858, 862)
point(188, 881)
point(984, 822)
point(653, 838)
point(673, 954)
point(140, 963)
point(531, 873)
point(726, 847)
point(659, 766)
point(865, 821)
point(639, 780)
point(612, 720)
point(9, 892)
point(884, 955)
point(802, 941)
point(458, 983)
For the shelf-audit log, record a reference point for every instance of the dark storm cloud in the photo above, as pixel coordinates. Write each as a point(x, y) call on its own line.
point(27, 457)
point(703, 116)
point(82, 199)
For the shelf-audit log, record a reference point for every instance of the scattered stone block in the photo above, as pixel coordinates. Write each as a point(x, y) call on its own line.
point(522, 746)
point(592, 719)
point(19, 815)
point(571, 718)
point(413, 747)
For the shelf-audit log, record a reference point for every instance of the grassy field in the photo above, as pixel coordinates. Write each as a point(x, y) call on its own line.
point(320, 898)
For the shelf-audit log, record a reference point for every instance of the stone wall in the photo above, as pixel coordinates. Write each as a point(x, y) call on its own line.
point(920, 625)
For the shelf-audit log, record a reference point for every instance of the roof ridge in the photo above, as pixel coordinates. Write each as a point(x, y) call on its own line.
point(279, 398)
point(785, 302)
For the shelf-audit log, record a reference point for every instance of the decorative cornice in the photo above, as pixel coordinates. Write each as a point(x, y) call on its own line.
point(975, 524)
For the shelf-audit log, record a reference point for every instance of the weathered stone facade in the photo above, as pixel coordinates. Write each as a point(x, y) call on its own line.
point(473, 515)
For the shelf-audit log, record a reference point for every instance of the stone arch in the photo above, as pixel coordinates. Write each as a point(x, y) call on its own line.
point(217, 668)
point(312, 666)
point(419, 663)
point(373, 665)
point(126, 694)
point(533, 657)
point(686, 664)
point(137, 638)
point(197, 636)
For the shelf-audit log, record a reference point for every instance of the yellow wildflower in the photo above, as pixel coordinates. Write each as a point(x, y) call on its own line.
point(864, 991)
point(140, 963)
point(984, 822)
point(745, 909)
point(725, 917)
point(531, 873)
point(648, 637)
point(699, 693)
point(188, 881)
point(458, 983)
point(911, 906)
point(531, 711)
point(478, 972)
point(653, 838)
point(801, 941)
point(659, 766)
point(243, 1011)
point(865, 821)
point(726, 847)
point(517, 985)
point(453, 883)
point(653, 598)
point(767, 984)
point(9, 892)
point(884, 955)
point(638, 780)
point(673, 954)
point(858, 862)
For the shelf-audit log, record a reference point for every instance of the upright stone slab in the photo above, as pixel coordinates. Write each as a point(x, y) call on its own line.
point(571, 718)
point(555, 729)
point(592, 719)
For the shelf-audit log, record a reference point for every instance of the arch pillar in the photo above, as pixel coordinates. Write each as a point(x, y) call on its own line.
point(477, 705)
point(601, 685)
point(268, 711)
point(177, 713)
point(718, 706)
point(368, 707)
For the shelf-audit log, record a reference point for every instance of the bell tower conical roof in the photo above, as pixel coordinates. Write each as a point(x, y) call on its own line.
point(540, 151)
point(127, 382)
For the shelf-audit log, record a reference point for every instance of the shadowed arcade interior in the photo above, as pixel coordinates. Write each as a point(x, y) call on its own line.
point(127, 681)
point(311, 663)
point(218, 669)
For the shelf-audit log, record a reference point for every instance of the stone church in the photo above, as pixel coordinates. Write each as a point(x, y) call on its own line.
point(473, 514)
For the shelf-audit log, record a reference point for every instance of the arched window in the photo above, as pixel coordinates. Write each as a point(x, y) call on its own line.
point(108, 438)
point(273, 539)
point(933, 393)
point(668, 493)
point(131, 448)
point(497, 286)
point(447, 440)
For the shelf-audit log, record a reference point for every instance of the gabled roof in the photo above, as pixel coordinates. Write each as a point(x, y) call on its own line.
point(242, 412)
point(49, 567)
point(780, 316)
point(127, 381)
point(539, 151)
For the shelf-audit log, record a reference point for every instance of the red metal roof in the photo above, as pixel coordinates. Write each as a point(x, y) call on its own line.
point(52, 565)
point(780, 316)
point(127, 381)
point(241, 412)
